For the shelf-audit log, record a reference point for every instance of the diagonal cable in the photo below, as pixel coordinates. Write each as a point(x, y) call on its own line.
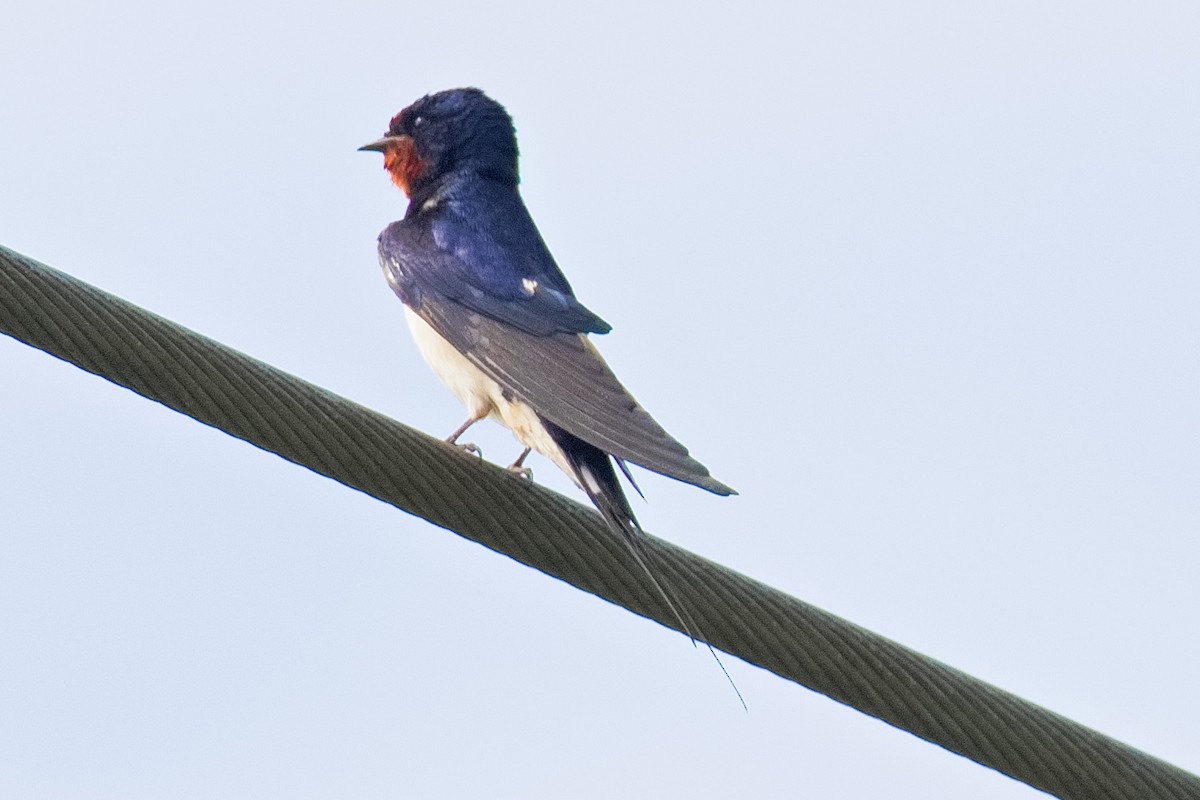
point(367, 451)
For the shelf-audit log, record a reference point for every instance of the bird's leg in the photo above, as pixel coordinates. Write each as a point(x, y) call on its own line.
point(517, 469)
point(469, 447)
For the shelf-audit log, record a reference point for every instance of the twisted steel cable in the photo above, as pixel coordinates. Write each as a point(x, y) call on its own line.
point(426, 477)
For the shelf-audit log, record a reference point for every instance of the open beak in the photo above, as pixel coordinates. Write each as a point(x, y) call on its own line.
point(381, 145)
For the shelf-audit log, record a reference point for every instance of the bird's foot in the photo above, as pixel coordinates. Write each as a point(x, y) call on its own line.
point(521, 472)
point(469, 447)
point(517, 467)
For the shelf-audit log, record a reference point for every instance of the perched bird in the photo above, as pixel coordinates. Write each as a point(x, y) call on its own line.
point(494, 316)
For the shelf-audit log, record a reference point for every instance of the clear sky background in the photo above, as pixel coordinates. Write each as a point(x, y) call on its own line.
point(921, 282)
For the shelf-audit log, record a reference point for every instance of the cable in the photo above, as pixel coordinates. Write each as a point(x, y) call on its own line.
point(424, 476)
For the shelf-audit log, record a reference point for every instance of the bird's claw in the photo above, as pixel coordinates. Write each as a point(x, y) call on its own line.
point(518, 468)
point(469, 447)
point(521, 472)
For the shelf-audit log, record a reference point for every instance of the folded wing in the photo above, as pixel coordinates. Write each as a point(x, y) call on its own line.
point(567, 381)
point(533, 343)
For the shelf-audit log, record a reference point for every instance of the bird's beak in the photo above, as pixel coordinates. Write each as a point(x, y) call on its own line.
point(381, 145)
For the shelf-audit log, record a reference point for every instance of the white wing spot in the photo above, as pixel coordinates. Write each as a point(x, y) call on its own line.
point(529, 286)
point(590, 480)
point(393, 274)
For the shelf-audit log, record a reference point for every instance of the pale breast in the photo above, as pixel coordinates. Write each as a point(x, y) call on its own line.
point(474, 389)
point(482, 396)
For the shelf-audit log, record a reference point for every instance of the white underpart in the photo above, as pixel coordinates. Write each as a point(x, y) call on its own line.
point(482, 396)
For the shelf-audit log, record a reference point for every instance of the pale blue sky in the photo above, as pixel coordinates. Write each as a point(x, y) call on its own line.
point(921, 283)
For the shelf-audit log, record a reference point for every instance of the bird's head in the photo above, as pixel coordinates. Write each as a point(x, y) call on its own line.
point(451, 131)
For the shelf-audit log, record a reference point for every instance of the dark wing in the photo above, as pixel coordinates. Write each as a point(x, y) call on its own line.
point(487, 255)
point(565, 379)
point(530, 342)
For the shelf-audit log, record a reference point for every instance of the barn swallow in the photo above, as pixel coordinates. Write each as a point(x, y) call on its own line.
point(494, 316)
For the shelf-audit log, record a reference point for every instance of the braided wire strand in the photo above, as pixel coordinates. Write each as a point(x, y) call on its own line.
point(365, 450)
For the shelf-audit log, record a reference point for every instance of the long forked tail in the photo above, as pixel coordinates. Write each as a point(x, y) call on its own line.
point(592, 469)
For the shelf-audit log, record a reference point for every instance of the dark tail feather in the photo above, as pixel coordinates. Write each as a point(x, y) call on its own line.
point(629, 476)
point(594, 472)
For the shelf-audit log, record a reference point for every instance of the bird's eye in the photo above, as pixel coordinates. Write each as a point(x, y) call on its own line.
point(418, 121)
